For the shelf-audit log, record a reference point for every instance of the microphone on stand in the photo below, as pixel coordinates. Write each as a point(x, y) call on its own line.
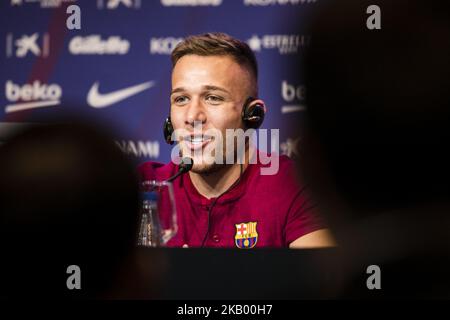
point(185, 166)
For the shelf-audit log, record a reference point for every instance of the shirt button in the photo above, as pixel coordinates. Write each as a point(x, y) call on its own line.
point(216, 238)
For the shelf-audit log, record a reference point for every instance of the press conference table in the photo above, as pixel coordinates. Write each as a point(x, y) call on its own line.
point(226, 274)
point(242, 274)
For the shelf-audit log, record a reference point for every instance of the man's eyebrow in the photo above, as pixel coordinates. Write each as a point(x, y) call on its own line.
point(207, 87)
point(215, 88)
point(180, 89)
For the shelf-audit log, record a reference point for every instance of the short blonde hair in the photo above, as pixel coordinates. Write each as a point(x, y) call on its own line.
point(219, 44)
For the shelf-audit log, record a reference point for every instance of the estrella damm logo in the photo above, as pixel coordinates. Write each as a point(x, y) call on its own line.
point(246, 235)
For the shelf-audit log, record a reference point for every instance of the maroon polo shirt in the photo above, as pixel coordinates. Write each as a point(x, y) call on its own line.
point(260, 211)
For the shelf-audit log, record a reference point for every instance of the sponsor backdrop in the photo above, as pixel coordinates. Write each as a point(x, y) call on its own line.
point(116, 68)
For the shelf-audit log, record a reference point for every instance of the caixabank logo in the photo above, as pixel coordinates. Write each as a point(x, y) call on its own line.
point(27, 45)
point(31, 96)
point(118, 4)
point(290, 147)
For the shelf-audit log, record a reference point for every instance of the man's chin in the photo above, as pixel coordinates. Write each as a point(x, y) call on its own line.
point(205, 168)
point(203, 164)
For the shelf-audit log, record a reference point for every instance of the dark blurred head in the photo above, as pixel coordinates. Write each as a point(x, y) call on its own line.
point(67, 196)
point(378, 104)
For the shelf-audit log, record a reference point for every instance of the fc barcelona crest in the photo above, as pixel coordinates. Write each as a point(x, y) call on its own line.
point(246, 235)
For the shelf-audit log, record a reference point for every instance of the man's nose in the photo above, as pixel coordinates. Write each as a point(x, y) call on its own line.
point(196, 114)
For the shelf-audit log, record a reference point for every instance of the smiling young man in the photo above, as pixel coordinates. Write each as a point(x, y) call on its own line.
point(222, 203)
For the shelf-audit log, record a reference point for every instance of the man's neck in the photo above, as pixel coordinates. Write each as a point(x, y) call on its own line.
point(213, 184)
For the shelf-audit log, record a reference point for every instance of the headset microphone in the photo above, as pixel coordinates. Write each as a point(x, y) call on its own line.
point(185, 166)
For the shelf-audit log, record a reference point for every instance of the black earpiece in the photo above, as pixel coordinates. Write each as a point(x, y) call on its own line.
point(168, 130)
point(252, 116)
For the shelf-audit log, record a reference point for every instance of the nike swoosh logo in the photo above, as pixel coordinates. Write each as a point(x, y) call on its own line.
point(98, 100)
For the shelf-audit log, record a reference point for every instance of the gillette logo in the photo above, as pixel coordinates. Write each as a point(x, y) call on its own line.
point(94, 44)
point(34, 95)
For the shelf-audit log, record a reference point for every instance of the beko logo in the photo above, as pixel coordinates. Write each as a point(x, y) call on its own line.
point(94, 44)
point(294, 95)
point(34, 95)
point(190, 3)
